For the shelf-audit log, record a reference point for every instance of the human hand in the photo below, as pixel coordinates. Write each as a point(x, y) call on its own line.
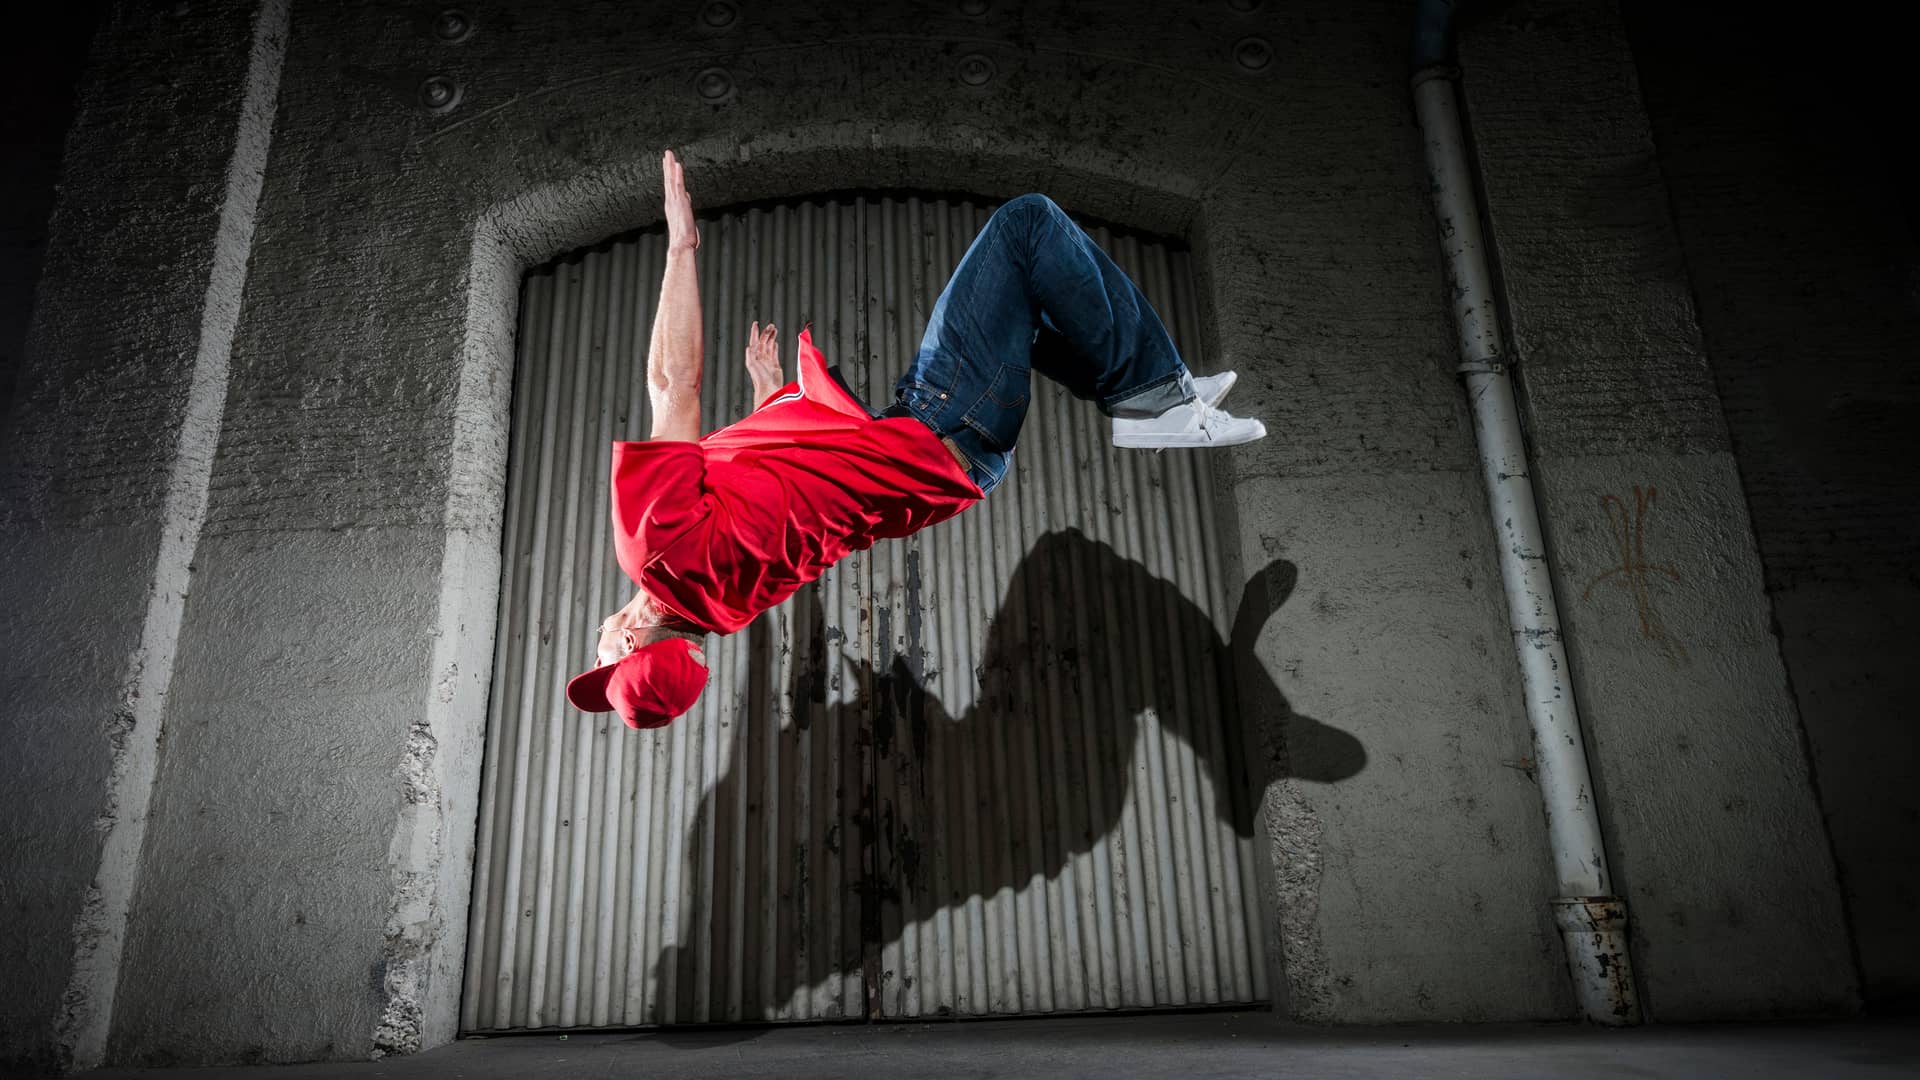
point(682, 234)
point(763, 361)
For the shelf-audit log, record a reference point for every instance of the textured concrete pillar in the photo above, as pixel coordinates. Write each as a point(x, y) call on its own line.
point(105, 483)
point(1713, 830)
point(332, 659)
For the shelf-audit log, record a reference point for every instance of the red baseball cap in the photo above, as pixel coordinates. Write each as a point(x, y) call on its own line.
point(648, 687)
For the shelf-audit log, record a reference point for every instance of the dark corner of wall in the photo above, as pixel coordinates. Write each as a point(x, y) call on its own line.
point(41, 60)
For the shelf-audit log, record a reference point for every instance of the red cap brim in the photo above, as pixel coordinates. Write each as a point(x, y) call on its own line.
point(588, 690)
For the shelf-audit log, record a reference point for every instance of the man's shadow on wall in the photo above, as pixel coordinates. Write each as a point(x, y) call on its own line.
point(1084, 642)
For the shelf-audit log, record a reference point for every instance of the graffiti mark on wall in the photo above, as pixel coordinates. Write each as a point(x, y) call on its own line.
point(1635, 572)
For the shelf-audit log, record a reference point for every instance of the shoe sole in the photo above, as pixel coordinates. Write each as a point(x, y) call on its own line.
point(1193, 444)
point(1186, 441)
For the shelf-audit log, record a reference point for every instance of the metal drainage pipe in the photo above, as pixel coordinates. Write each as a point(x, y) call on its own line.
point(1592, 921)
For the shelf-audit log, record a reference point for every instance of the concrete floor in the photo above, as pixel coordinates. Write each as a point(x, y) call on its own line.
point(1190, 1047)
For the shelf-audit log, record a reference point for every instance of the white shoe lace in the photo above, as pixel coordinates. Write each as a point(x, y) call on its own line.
point(1204, 416)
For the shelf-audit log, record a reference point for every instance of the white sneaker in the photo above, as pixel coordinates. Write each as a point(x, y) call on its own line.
point(1194, 424)
point(1213, 388)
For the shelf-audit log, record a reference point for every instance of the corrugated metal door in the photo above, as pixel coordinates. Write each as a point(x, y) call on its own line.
point(990, 769)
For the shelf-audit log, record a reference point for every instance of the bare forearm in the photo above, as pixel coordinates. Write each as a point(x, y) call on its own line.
point(675, 355)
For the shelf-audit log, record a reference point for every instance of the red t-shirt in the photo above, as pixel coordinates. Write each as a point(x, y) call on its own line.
point(719, 530)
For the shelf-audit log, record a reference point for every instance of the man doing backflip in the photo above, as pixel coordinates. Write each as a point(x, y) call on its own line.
point(716, 529)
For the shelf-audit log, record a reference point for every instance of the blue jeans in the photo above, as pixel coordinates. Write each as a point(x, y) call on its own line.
point(1035, 293)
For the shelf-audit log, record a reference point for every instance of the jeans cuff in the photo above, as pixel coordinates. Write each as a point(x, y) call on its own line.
point(1152, 399)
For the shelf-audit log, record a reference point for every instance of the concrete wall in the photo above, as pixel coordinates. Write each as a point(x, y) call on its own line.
point(1789, 203)
point(1711, 820)
point(115, 414)
point(302, 878)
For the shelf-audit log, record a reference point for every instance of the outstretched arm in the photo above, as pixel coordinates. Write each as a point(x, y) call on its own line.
point(676, 354)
